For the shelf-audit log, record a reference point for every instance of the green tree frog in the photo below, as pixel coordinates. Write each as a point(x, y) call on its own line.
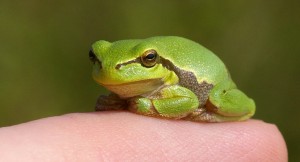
point(169, 77)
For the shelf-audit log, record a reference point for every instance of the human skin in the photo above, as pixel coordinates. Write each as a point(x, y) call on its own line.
point(124, 136)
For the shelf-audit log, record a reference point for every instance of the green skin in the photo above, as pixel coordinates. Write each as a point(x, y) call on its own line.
point(184, 81)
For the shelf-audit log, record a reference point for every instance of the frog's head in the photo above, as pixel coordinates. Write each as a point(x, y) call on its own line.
point(130, 67)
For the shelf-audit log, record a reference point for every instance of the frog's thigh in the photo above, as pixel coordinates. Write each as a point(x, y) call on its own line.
point(229, 103)
point(175, 102)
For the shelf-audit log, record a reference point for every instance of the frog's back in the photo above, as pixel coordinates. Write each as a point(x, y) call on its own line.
point(190, 56)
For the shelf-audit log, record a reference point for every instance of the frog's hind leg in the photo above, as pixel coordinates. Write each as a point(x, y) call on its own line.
point(225, 103)
point(229, 103)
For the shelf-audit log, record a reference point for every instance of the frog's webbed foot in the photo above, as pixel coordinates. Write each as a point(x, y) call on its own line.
point(110, 102)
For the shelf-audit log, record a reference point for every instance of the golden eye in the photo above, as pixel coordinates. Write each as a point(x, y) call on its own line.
point(149, 58)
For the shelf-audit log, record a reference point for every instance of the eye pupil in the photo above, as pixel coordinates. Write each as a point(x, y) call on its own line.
point(150, 56)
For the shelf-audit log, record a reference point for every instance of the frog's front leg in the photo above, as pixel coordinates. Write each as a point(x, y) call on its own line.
point(110, 102)
point(227, 103)
point(170, 102)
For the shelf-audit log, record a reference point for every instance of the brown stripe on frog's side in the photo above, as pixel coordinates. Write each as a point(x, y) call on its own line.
point(188, 80)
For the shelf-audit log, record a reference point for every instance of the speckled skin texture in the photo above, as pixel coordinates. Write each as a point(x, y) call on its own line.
point(184, 80)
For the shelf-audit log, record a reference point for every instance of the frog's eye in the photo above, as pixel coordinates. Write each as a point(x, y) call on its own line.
point(92, 56)
point(149, 58)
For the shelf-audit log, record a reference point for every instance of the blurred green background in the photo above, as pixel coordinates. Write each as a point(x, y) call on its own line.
point(45, 69)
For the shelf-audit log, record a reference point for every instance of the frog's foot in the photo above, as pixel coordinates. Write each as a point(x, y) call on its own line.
point(111, 102)
point(142, 106)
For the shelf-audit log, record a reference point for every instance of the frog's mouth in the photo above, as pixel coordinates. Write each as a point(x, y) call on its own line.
point(137, 88)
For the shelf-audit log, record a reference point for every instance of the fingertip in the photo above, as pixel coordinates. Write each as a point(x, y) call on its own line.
point(118, 136)
point(257, 140)
point(271, 142)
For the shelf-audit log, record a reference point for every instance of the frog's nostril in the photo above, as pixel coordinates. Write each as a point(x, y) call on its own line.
point(118, 66)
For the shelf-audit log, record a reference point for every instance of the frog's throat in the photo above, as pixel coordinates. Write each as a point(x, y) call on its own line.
point(131, 89)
